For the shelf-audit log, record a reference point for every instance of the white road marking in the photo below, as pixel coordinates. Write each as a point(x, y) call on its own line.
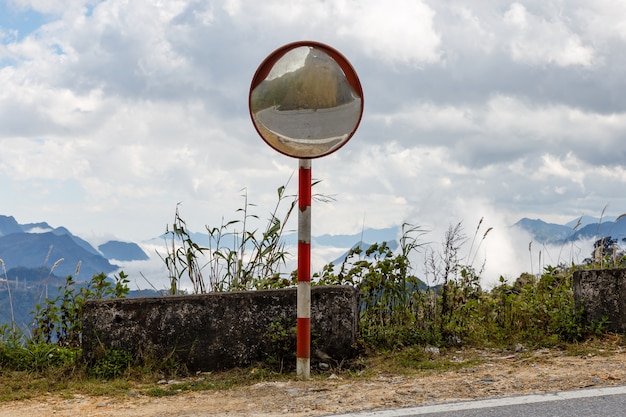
point(496, 402)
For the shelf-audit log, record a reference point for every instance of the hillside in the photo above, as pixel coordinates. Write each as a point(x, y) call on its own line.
point(34, 250)
point(616, 230)
point(544, 232)
point(583, 228)
point(122, 251)
point(38, 245)
point(318, 84)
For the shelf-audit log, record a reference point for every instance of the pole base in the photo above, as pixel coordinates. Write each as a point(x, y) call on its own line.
point(303, 368)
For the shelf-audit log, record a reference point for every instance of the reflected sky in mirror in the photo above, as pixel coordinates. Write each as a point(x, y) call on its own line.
point(290, 62)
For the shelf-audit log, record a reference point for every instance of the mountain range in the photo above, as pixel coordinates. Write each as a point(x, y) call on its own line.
point(39, 246)
point(585, 227)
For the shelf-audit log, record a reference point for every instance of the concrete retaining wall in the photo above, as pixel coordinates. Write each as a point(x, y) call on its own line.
point(602, 293)
point(221, 330)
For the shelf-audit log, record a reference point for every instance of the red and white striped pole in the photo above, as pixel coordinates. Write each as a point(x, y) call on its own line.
point(303, 342)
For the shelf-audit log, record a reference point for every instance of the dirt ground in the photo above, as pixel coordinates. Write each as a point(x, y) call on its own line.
point(494, 375)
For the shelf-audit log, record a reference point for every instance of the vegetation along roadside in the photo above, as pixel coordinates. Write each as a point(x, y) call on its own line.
point(407, 323)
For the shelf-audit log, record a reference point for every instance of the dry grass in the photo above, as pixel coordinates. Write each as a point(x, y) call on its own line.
point(410, 362)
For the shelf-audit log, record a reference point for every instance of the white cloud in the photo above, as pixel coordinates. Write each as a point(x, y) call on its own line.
point(603, 19)
point(471, 31)
point(568, 168)
point(504, 123)
point(404, 35)
point(151, 273)
point(431, 117)
point(110, 117)
point(404, 32)
point(26, 159)
point(541, 40)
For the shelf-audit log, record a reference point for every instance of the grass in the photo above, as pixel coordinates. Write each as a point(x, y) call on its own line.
point(417, 360)
point(20, 385)
point(606, 345)
point(412, 361)
point(67, 382)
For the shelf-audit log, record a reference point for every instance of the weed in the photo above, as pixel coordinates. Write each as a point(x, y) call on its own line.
point(58, 320)
point(36, 357)
point(184, 258)
point(280, 340)
point(232, 267)
point(419, 358)
point(113, 364)
point(237, 257)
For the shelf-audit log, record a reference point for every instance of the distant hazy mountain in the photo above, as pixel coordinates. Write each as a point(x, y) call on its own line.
point(62, 231)
point(36, 250)
point(38, 246)
point(40, 227)
point(587, 228)
point(122, 251)
point(616, 230)
point(9, 225)
point(583, 221)
point(545, 232)
point(366, 235)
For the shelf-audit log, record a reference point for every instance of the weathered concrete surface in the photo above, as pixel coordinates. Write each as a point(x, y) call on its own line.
point(602, 293)
point(220, 330)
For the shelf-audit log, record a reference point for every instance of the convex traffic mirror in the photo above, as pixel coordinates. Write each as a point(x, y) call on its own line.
point(306, 100)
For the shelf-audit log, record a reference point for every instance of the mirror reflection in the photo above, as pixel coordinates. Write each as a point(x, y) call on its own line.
point(305, 107)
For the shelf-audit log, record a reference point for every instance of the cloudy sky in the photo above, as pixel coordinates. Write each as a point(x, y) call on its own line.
point(112, 112)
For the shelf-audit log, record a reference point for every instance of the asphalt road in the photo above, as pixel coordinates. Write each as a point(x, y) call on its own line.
point(320, 125)
point(597, 402)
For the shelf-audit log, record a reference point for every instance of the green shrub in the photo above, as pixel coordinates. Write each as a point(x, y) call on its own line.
point(55, 341)
point(58, 320)
point(36, 357)
point(398, 310)
point(113, 364)
point(280, 344)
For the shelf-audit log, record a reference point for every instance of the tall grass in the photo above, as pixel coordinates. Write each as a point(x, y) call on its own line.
point(239, 255)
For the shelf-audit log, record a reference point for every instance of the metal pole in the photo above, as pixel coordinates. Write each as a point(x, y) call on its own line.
point(303, 343)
